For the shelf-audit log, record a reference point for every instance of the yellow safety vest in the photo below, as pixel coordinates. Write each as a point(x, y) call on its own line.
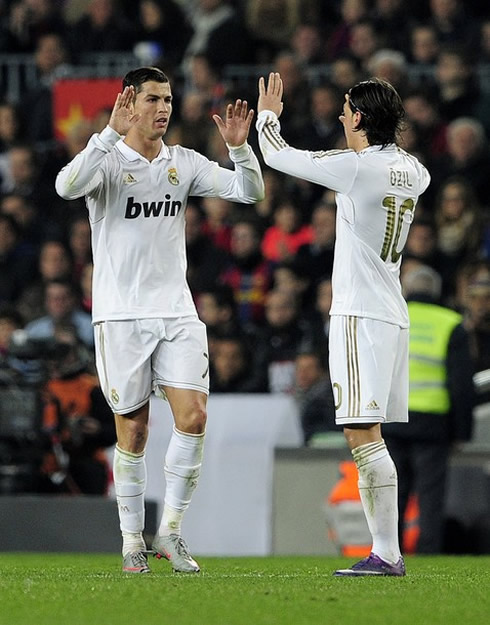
point(430, 329)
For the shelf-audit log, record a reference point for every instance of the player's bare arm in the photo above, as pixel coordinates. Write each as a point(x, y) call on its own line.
point(235, 127)
point(270, 96)
point(123, 116)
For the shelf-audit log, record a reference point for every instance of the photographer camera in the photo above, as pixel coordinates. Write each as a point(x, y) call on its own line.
point(54, 421)
point(84, 425)
point(22, 439)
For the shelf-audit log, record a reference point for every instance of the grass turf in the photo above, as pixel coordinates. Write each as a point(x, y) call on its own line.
point(90, 589)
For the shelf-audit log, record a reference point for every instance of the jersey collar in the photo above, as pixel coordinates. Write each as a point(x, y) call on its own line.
point(133, 155)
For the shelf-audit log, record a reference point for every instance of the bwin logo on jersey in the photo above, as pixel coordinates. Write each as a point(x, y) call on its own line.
point(166, 207)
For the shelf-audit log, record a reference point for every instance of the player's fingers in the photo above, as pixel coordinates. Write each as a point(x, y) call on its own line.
point(229, 111)
point(277, 83)
point(238, 108)
point(270, 83)
point(219, 122)
point(244, 110)
point(261, 86)
point(280, 87)
point(250, 116)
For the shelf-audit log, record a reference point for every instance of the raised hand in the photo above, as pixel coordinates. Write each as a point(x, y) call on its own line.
point(122, 116)
point(236, 125)
point(270, 98)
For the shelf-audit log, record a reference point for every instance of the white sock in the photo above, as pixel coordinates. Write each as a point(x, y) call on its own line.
point(130, 484)
point(182, 469)
point(378, 488)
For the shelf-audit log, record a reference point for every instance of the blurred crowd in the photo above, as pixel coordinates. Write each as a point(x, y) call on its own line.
point(260, 275)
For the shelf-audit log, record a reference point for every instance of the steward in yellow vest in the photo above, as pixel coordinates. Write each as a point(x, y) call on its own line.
point(441, 399)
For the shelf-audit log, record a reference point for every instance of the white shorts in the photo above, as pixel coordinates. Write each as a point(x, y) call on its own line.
point(369, 370)
point(135, 357)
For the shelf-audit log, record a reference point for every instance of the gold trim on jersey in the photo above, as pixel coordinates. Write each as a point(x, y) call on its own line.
point(353, 376)
point(273, 136)
point(101, 342)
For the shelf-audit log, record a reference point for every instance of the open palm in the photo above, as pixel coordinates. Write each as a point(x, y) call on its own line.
point(235, 127)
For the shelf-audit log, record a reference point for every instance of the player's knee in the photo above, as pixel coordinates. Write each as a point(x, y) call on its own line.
point(132, 433)
point(194, 421)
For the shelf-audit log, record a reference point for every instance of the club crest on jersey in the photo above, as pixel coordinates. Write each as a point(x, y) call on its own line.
point(114, 396)
point(129, 179)
point(172, 176)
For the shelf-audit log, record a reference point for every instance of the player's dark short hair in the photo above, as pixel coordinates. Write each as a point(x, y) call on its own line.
point(381, 109)
point(136, 77)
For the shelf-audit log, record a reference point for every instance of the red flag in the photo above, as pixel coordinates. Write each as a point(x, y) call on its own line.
point(78, 99)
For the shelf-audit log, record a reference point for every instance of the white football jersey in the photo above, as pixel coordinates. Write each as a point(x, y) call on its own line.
point(137, 215)
point(376, 194)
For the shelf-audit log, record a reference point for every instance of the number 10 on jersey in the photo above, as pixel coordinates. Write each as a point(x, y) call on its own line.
point(398, 220)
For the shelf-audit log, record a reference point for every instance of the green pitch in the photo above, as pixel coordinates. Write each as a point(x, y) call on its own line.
point(87, 589)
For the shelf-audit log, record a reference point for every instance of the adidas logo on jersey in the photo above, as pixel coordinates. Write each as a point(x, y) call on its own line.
point(372, 405)
point(129, 179)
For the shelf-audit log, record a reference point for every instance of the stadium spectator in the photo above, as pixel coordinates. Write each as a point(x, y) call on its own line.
point(453, 22)
point(274, 191)
point(457, 85)
point(390, 65)
point(79, 243)
point(280, 340)
point(29, 20)
point(392, 19)
point(51, 60)
point(308, 43)
point(424, 48)
point(316, 257)
point(345, 72)
point(53, 263)
point(205, 80)
point(16, 267)
point(217, 27)
point(314, 398)
point(86, 287)
point(62, 308)
point(458, 218)
point(477, 321)
point(101, 29)
point(163, 29)
point(274, 26)
point(10, 320)
point(422, 242)
point(10, 126)
point(26, 215)
point(321, 131)
point(193, 128)
point(205, 261)
point(351, 13)
point(296, 92)
point(318, 329)
point(440, 403)
point(217, 221)
point(282, 240)
point(364, 42)
point(249, 274)
point(218, 310)
point(422, 111)
point(484, 52)
point(232, 368)
point(468, 156)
